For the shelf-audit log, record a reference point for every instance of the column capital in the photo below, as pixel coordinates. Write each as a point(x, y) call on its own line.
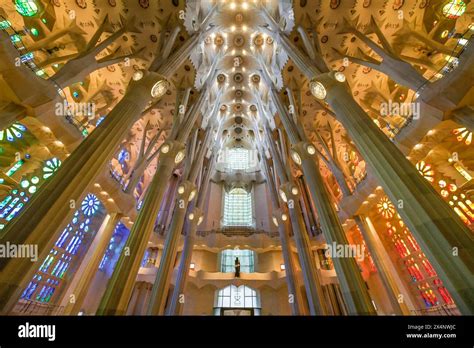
point(172, 152)
point(187, 190)
point(144, 81)
point(321, 85)
point(279, 217)
point(289, 191)
point(301, 151)
point(196, 216)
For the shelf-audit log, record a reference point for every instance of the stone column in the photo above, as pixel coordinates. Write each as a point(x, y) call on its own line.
point(120, 286)
point(194, 219)
point(168, 203)
point(40, 222)
point(297, 307)
point(11, 112)
point(387, 280)
point(165, 269)
point(353, 286)
point(443, 237)
point(465, 117)
point(312, 283)
point(354, 290)
point(90, 271)
point(314, 291)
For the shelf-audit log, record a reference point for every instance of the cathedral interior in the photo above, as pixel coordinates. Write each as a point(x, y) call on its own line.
point(236, 157)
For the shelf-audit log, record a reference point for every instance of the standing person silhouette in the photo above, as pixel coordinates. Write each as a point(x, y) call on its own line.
point(237, 267)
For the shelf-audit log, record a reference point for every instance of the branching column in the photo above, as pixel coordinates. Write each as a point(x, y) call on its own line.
point(195, 218)
point(314, 292)
point(444, 238)
point(446, 241)
point(39, 223)
point(186, 192)
point(120, 287)
point(353, 286)
point(297, 307)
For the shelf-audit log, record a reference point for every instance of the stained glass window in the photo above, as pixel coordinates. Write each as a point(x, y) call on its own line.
point(114, 248)
point(27, 8)
point(246, 259)
point(90, 204)
point(238, 210)
point(17, 198)
point(66, 253)
point(50, 167)
point(13, 132)
point(454, 9)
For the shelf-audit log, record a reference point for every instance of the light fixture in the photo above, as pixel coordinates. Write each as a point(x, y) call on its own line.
point(296, 157)
point(275, 221)
point(179, 157)
point(181, 189)
point(192, 195)
point(283, 196)
point(191, 216)
point(200, 220)
point(165, 148)
point(339, 76)
point(137, 75)
point(294, 190)
point(159, 89)
point(284, 217)
point(282, 267)
point(192, 266)
point(317, 89)
point(311, 149)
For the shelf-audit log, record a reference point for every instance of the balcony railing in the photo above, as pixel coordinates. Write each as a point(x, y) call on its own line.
point(445, 310)
point(29, 307)
point(241, 231)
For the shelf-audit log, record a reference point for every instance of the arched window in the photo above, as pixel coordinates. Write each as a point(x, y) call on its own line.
point(67, 252)
point(27, 8)
point(241, 297)
point(238, 209)
point(246, 259)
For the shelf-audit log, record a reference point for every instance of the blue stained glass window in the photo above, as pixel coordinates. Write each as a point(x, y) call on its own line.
point(67, 252)
point(116, 244)
point(90, 204)
point(123, 156)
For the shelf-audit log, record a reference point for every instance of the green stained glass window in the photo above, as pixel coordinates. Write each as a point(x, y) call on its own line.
point(27, 8)
point(5, 24)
